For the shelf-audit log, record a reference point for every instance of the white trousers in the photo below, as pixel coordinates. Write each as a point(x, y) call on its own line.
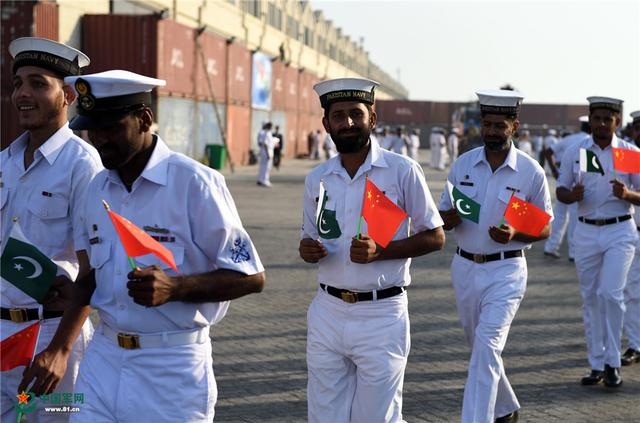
point(564, 216)
point(11, 379)
point(165, 384)
point(356, 357)
point(488, 296)
point(265, 168)
point(632, 303)
point(603, 257)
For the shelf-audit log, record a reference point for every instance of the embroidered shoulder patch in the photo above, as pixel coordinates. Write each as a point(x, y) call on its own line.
point(239, 251)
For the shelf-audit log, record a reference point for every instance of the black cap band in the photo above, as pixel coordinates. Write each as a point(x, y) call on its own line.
point(500, 110)
point(88, 105)
point(609, 106)
point(346, 95)
point(42, 59)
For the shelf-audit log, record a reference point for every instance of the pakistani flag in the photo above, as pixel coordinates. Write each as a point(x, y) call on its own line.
point(465, 206)
point(23, 265)
point(589, 162)
point(326, 221)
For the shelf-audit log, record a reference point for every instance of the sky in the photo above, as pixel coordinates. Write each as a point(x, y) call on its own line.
point(559, 51)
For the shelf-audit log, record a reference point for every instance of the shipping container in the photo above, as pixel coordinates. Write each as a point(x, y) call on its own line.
point(20, 19)
point(238, 136)
point(187, 126)
point(291, 102)
point(278, 84)
point(214, 50)
point(295, 145)
point(239, 77)
point(144, 44)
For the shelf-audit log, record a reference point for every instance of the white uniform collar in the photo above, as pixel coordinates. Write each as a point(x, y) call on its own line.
point(50, 149)
point(615, 142)
point(156, 169)
point(511, 159)
point(374, 158)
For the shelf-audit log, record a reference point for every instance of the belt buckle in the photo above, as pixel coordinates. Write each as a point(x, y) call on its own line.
point(18, 315)
point(128, 341)
point(601, 222)
point(479, 258)
point(349, 297)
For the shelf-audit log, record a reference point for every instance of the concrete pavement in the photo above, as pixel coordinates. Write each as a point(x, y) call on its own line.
point(259, 348)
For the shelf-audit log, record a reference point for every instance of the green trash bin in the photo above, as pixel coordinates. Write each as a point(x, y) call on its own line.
point(216, 154)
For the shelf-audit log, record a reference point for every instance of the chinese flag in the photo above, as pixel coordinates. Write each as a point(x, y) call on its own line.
point(626, 160)
point(18, 349)
point(382, 215)
point(137, 242)
point(525, 217)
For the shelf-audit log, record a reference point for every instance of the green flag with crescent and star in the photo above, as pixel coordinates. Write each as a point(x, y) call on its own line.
point(26, 267)
point(465, 206)
point(589, 162)
point(326, 222)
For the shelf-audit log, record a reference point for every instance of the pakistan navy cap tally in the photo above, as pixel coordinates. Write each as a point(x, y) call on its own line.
point(635, 116)
point(44, 53)
point(608, 103)
point(106, 97)
point(500, 102)
point(345, 89)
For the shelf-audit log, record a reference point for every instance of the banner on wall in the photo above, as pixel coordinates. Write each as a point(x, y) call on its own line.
point(261, 83)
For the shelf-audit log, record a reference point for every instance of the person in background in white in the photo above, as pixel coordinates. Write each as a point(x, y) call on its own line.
point(329, 147)
point(266, 144)
point(385, 138)
point(547, 144)
point(438, 144)
point(632, 290)
point(452, 145)
point(314, 154)
point(538, 145)
point(564, 214)
point(414, 143)
point(524, 143)
point(399, 142)
point(44, 181)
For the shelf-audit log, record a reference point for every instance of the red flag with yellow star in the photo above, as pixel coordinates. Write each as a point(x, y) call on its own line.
point(626, 160)
point(383, 216)
point(137, 242)
point(525, 217)
point(18, 349)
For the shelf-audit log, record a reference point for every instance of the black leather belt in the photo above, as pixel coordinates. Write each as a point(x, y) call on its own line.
point(353, 297)
point(485, 258)
point(19, 315)
point(602, 222)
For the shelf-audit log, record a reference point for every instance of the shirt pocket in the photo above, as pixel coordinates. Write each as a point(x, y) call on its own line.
point(100, 254)
point(470, 191)
point(47, 219)
point(505, 195)
point(151, 259)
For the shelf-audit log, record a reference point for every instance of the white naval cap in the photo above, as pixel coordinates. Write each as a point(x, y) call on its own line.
point(502, 102)
point(106, 97)
point(583, 119)
point(552, 132)
point(47, 54)
point(610, 103)
point(635, 116)
point(345, 89)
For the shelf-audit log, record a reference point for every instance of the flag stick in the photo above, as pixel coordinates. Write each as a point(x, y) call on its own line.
point(363, 197)
point(35, 347)
point(579, 177)
point(131, 262)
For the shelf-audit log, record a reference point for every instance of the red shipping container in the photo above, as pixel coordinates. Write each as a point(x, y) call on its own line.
point(295, 145)
point(291, 76)
point(238, 133)
point(20, 19)
point(239, 77)
point(278, 85)
point(214, 50)
point(144, 44)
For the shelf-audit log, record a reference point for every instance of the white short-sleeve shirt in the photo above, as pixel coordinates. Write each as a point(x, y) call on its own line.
point(48, 200)
point(561, 146)
point(188, 208)
point(472, 175)
point(402, 181)
point(599, 201)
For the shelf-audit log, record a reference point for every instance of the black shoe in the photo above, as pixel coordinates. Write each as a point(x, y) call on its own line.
point(593, 378)
point(612, 378)
point(630, 356)
point(509, 418)
point(552, 254)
